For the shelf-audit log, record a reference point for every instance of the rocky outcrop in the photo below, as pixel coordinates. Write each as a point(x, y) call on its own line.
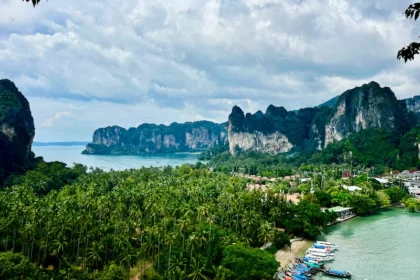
point(413, 104)
point(368, 106)
point(256, 132)
point(278, 130)
point(152, 139)
point(17, 130)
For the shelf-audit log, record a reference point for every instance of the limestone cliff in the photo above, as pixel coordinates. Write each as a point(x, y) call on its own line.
point(368, 106)
point(278, 130)
point(17, 130)
point(152, 139)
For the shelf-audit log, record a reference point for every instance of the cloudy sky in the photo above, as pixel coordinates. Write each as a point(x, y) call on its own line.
point(88, 64)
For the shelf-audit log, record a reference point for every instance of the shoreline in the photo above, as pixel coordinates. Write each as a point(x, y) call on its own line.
point(297, 248)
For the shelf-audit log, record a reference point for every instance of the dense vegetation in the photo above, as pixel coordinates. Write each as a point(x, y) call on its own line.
point(184, 221)
point(377, 149)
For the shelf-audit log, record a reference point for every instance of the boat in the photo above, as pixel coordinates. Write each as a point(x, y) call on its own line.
point(312, 265)
point(319, 246)
point(336, 273)
point(319, 254)
point(310, 260)
point(319, 258)
point(323, 251)
point(332, 245)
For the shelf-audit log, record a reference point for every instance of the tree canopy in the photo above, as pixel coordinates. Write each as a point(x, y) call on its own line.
point(407, 53)
point(34, 2)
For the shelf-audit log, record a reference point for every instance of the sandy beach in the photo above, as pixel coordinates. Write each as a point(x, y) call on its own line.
point(298, 248)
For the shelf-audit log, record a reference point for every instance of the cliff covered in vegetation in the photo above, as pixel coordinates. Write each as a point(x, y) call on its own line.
point(152, 139)
point(17, 131)
point(278, 130)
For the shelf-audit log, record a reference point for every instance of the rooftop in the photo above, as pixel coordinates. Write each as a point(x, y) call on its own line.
point(339, 209)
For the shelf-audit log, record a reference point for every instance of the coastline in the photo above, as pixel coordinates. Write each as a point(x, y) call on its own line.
point(297, 249)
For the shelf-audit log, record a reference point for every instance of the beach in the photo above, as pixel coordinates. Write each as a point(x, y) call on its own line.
point(298, 248)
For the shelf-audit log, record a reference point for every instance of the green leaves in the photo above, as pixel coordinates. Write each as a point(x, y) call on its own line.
point(34, 2)
point(413, 11)
point(408, 53)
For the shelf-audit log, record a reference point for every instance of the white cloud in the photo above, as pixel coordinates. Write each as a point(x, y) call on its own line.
point(197, 56)
point(57, 116)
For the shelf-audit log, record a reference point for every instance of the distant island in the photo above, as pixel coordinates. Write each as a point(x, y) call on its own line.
point(72, 143)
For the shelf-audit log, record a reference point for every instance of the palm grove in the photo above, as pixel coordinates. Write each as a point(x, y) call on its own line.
point(189, 222)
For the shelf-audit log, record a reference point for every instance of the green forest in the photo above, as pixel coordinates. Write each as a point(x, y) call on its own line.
point(183, 223)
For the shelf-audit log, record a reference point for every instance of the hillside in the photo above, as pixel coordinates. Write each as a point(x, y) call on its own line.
point(17, 131)
point(153, 139)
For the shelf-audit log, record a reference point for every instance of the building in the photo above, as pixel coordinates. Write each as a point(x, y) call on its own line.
point(383, 181)
point(410, 175)
point(413, 187)
point(304, 180)
point(352, 188)
point(342, 212)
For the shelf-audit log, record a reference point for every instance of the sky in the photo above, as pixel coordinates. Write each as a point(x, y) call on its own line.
point(89, 64)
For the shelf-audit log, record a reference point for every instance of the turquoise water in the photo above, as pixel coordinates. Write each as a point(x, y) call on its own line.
point(72, 154)
point(378, 247)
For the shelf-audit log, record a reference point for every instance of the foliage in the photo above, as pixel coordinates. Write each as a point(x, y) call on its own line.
point(34, 2)
point(408, 53)
point(395, 194)
point(383, 199)
point(363, 204)
point(180, 219)
point(241, 262)
point(409, 149)
point(113, 272)
point(412, 204)
point(15, 266)
point(47, 176)
point(281, 240)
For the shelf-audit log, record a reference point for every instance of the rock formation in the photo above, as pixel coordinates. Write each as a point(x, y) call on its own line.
point(17, 130)
point(153, 139)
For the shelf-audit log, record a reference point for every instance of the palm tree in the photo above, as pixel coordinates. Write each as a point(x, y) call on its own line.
point(197, 271)
point(265, 233)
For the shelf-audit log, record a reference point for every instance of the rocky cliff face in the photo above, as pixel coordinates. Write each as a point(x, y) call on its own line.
point(279, 131)
point(17, 130)
point(413, 104)
point(151, 138)
point(368, 106)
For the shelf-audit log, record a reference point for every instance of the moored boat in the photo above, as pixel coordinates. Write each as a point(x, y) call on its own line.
point(319, 254)
point(319, 258)
point(336, 273)
point(325, 243)
point(322, 251)
point(319, 246)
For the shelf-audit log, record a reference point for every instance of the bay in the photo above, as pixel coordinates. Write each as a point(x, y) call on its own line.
point(73, 154)
point(377, 247)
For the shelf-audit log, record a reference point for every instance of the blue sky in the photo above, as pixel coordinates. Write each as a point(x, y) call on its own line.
point(88, 64)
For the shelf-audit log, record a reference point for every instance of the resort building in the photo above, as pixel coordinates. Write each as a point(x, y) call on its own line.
point(352, 188)
point(410, 175)
point(342, 212)
point(413, 187)
point(304, 180)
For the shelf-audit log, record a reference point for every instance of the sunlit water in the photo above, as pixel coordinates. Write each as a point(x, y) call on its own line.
point(72, 154)
point(378, 247)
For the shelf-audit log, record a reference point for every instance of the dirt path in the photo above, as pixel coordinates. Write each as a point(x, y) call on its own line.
point(298, 248)
point(140, 273)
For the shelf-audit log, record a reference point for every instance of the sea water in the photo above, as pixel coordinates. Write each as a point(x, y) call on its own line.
point(377, 247)
point(73, 154)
